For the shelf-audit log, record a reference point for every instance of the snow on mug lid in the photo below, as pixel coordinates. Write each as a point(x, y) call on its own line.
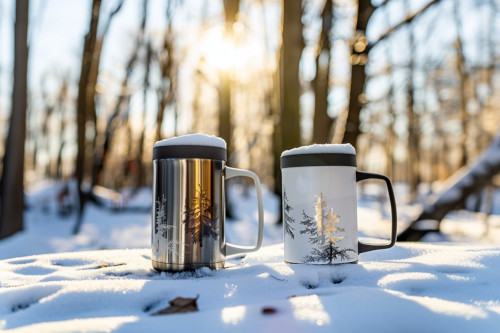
point(335, 148)
point(191, 146)
point(197, 139)
point(319, 155)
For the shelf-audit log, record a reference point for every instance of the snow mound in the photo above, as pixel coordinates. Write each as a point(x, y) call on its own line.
point(193, 140)
point(321, 149)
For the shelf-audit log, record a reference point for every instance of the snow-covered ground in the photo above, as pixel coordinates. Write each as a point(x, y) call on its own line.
point(51, 281)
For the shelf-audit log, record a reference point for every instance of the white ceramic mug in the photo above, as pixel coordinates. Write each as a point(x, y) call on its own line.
point(320, 205)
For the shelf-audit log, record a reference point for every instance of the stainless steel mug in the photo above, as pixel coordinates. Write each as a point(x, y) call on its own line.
point(320, 205)
point(188, 215)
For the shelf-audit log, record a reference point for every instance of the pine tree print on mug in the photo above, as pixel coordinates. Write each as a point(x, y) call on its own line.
point(162, 228)
point(324, 234)
point(201, 217)
point(161, 216)
point(288, 219)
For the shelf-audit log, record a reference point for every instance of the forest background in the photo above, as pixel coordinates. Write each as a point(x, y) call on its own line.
point(87, 87)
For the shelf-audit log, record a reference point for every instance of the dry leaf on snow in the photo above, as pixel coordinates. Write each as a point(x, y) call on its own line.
point(179, 305)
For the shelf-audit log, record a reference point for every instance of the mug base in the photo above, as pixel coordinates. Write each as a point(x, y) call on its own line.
point(170, 267)
point(320, 263)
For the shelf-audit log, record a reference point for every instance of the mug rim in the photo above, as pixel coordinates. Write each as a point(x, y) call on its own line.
point(318, 159)
point(189, 151)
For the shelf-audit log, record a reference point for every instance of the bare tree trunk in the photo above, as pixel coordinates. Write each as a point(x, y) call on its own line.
point(287, 133)
point(197, 104)
point(277, 149)
point(63, 96)
point(12, 188)
point(231, 8)
point(84, 103)
point(358, 79)
point(391, 137)
point(273, 111)
point(140, 152)
point(121, 103)
point(225, 126)
point(413, 119)
point(322, 123)
point(291, 52)
point(168, 86)
point(463, 80)
point(43, 142)
point(96, 152)
point(359, 58)
point(91, 110)
point(485, 136)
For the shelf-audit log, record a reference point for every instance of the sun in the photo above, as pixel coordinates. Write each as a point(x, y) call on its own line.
point(229, 53)
point(220, 51)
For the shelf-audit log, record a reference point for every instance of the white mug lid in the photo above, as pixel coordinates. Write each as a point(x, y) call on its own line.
point(319, 155)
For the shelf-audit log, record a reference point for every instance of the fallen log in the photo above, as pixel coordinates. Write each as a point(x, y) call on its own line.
point(467, 181)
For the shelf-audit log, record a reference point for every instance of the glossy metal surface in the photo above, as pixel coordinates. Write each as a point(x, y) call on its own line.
point(188, 214)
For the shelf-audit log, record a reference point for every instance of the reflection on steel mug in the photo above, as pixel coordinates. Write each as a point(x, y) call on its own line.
point(320, 205)
point(188, 215)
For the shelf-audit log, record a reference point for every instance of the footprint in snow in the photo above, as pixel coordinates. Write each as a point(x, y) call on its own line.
point(34, 270)
point(449, 269)
point(337, 279)
point(70, 262)
point(14, 301)
point(21, 261)
point(308, 284)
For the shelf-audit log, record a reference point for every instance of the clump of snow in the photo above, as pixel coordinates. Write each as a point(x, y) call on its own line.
point(193, 140)
point(344, 148)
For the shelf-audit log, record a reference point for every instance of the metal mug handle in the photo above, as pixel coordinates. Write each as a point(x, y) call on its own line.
point(236, 249)
point(362, 247)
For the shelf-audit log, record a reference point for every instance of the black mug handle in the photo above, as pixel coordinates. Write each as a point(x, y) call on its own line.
point(370, 247)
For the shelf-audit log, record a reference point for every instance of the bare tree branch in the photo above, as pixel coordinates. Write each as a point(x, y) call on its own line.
point(407, 20)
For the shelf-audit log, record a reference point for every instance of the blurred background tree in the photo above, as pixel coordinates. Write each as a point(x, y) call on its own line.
point(413, 85)
point(12, 182)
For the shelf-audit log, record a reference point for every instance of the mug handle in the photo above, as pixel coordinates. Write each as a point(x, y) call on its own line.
point(362, 247)
point(235, 249)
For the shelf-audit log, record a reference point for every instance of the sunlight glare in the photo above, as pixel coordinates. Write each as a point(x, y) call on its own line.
point(310, 309)
point(229, 53)
point(233, 315)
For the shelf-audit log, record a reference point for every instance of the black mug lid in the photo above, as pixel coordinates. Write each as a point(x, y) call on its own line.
point(319, 155)
point(191, 146)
